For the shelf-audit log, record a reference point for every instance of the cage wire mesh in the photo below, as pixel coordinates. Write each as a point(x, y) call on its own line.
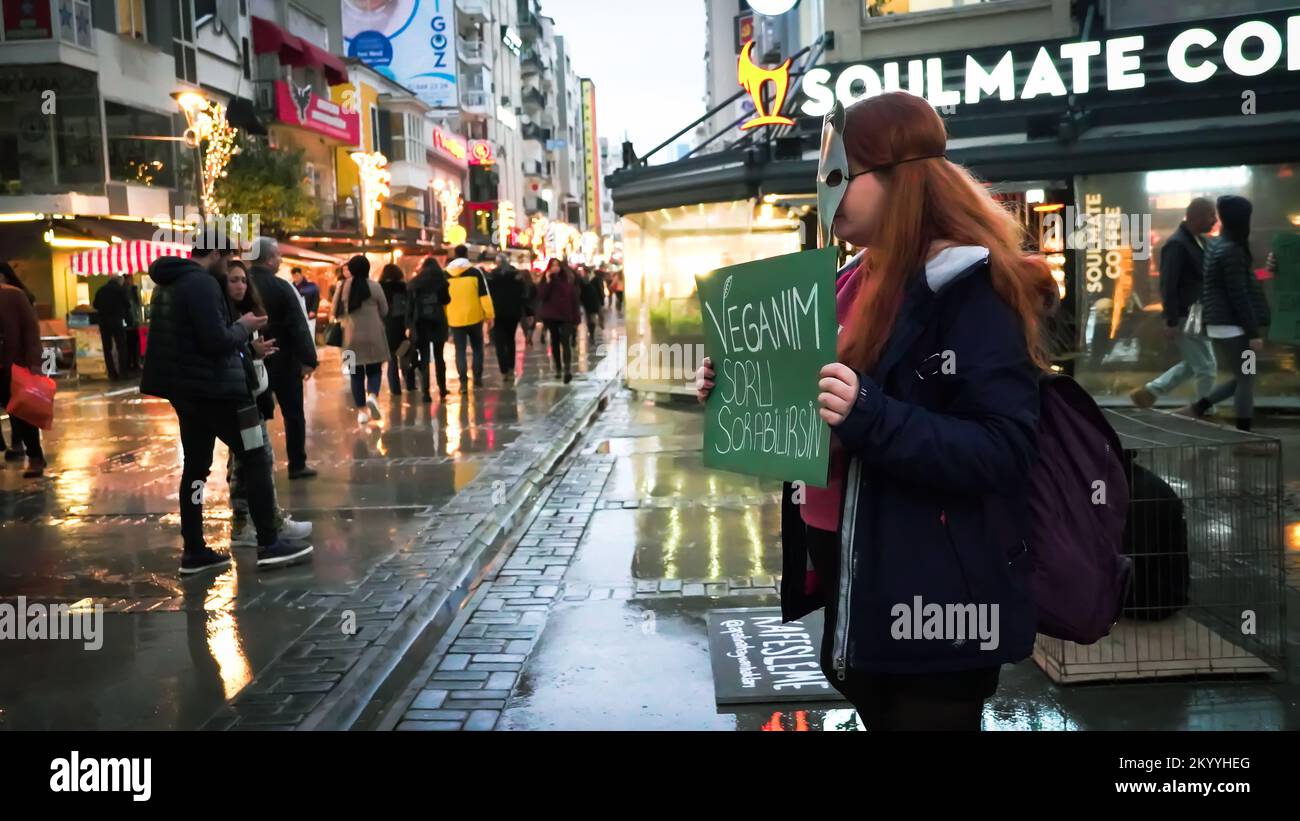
point(1205, 534)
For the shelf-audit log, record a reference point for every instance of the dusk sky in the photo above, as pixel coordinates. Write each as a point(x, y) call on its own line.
point(646, 59)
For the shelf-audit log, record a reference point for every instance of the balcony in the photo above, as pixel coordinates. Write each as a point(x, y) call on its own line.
point(471, 51)
point(534, 99)
point(535, 168)
point(536, 205)
point(474, 10)
point(476, 101)
point(336, 216)
point(531, 62)
point(409, 175)
point(531, 131)
point(530, 28)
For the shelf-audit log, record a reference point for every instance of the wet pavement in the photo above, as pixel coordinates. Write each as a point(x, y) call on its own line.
point(103, 529)
point(621, 641)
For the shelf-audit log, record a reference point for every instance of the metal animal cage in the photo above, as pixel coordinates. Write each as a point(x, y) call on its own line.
point(1205, 535)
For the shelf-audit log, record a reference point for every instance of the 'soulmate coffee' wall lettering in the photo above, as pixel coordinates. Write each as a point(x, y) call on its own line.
point(769, 328)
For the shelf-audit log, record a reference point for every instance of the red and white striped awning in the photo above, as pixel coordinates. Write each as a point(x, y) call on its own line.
point(130, 257)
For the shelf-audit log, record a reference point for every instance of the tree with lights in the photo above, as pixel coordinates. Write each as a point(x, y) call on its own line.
point(268, 182)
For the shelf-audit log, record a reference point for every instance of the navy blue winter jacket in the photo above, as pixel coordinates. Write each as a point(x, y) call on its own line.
point(935, 497)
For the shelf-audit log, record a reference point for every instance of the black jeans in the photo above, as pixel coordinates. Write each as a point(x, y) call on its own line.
point(26, 435)
point(132, 348)
point(503, 337)
point(202, 423)
point(561, 334)
point(286, 383)
point(897, 701)
point(430, 339)
point(113, 337)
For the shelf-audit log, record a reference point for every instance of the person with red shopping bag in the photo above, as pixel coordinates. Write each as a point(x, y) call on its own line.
point(20, 350)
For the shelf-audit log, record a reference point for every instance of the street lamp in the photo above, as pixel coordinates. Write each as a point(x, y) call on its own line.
point(375, 176)
point(206, 121)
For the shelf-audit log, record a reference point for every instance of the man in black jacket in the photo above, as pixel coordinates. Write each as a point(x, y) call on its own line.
point(508, 292)
point(296, 361)
point(1182, 265)
point(194, 361)
point(112, 306)
point(429, 297)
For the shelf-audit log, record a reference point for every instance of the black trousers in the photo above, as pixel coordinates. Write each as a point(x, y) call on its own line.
point(430, 340)
point(202, 423)
point(503, 338)
point(286, 383)
point(113, 337)
point(26, 435)
point(897, 701)
point(132, 348)
point(561, 334)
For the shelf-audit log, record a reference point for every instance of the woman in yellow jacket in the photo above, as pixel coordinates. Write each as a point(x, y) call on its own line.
point(471, 304)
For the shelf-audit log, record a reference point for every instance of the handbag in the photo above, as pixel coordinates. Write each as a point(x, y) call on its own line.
point(334, 334)
point(31, 397)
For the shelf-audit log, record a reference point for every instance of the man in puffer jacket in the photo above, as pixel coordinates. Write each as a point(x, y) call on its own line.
point(193, 361)
point(470, 305)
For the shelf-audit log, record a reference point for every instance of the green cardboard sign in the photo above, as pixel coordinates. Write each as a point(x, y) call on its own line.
point(769, 327)
point(1285, 327)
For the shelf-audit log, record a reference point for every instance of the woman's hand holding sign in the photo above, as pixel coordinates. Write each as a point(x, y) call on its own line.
point(839, 390)
point(704, 379)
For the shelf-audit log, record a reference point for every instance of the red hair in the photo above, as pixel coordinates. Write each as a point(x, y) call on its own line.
point(929, 200)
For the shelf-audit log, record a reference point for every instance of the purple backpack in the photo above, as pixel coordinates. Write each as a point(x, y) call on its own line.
point(1078, 503)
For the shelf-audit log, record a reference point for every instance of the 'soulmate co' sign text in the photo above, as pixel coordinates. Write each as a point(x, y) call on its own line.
point(769, 327)
point(1249, 49)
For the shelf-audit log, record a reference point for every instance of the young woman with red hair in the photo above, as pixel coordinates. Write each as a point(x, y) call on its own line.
point(914, 548)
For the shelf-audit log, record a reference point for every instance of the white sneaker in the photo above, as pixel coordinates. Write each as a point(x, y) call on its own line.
point(372, 402)
point(244, 537)
point(296, 531)
point(363, 416)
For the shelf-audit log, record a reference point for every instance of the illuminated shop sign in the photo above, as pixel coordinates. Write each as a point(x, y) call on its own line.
point(449, 145)
point(1194, 55)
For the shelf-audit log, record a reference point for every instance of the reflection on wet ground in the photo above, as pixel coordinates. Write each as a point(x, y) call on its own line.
point(643, 663)
point(103, 528)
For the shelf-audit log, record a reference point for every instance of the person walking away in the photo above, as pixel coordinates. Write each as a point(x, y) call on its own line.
point(393, 283)
point(297, 360)
point(1182, 260)
point(18, 452)
point(592, 300)
point(1236, 311)
point(427, 319)
point(310, 296)
point(509, 300)
point(927, 490)
point(134, 319)
point(20, 344)
point(559, 311)
point(470, 306)
point(361, 306)
point(110, 303)
point(194, 362)
point(528, 282)
point(244, 299)
point(616, 288)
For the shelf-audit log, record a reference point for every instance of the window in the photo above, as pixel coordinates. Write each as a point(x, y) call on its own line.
point(374, 128)
point(130, 18)
point(74, 21)
point(407, 141)
point(134, 155)
point(884, 8)
point(183, 42)
point(55, 153)
point(243, 57)
point(312, 181)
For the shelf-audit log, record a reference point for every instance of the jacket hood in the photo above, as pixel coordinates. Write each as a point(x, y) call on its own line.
point(458, 267)
point(166, 270)
point(952, 264)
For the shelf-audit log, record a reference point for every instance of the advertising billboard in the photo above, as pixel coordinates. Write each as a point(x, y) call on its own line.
point(591, 162)
point(412, 42)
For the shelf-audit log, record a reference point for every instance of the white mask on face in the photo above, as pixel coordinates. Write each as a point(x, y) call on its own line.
point(832, 171)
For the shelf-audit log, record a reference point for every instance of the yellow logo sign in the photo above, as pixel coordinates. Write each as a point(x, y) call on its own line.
point(752, 78)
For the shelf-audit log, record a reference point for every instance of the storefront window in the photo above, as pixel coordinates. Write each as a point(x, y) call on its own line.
point(883, 8)
point(1126, 14)
point(663, 252)
point(1122, 343)
point(139, 146)
point(43, 152)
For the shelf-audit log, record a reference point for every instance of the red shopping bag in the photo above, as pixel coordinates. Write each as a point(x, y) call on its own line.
point(31, 397)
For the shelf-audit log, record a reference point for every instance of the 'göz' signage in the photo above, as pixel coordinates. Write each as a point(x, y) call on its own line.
point(1248, 49)
point(769, 327)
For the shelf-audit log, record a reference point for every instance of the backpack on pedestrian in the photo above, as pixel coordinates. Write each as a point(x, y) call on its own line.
point(1078, 502)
